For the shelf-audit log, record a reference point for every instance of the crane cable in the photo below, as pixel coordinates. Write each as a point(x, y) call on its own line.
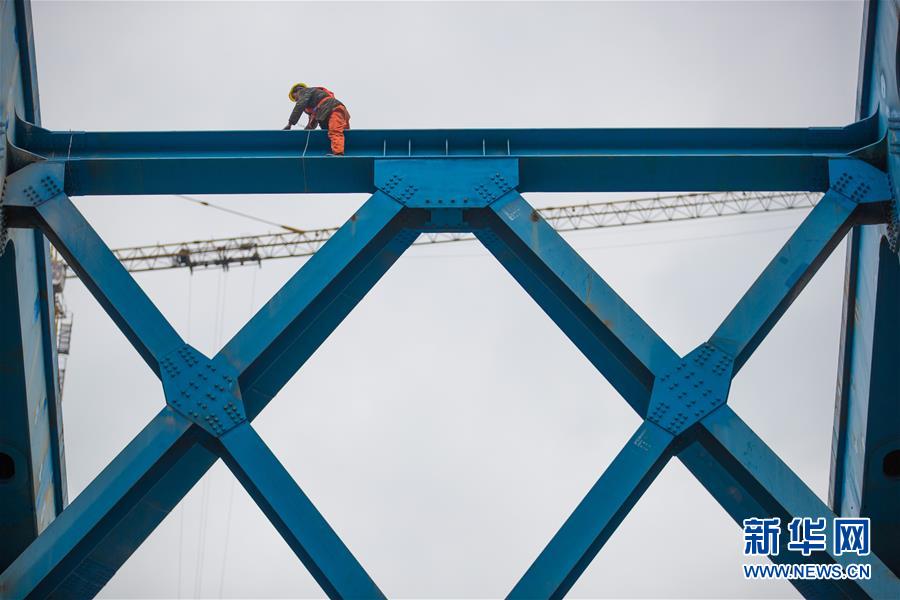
point(190, 304)
point(239, 213)
point(232, 484)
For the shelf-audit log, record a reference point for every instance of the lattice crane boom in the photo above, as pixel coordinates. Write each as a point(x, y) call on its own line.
point(252, 249)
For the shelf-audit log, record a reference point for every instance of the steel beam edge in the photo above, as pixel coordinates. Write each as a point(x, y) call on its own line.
point(778, 492)
point(596, 518)
point(292, 514)
point(34, 197)
point(57, 563)
point(350, 264)
point(602, 325)
point(858, 193)
point(551, 160)
point(285, 332)
point(866, 438)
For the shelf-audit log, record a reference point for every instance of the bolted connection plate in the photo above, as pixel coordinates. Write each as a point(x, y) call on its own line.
point(34, 185)
point(858, 181)
point(446, 183)
point(203, 390)
point(694, 388)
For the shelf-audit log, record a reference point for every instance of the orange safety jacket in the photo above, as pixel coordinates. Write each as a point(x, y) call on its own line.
point(318, 103)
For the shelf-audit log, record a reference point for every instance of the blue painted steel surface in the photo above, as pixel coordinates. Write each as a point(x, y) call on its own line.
point(54, 564)
point(446, 184)
point(551, 160)
point(470, 181)
point(693, 388)
point(21, 400)
point(203, 391)
point(609, 333)
point(24, 36)
point(287, 330)
point(799, 259)
point(308, 534)
point(34, 195)
point(66, 561)
point(780, 493)
point(595, 519)
point(867, 423)
point(30, 420)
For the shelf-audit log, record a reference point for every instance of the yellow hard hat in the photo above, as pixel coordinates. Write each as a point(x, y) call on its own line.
point(294, 89)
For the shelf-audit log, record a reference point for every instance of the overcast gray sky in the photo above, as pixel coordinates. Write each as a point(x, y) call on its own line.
point(448, 428)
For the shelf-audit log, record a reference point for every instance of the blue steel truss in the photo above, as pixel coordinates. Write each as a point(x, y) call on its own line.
point(471, 181)
point(210, 402)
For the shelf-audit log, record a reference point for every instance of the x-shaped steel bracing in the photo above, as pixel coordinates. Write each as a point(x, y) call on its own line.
point(210, 403)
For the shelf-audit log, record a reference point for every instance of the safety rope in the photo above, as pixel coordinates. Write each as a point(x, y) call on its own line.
point(303, 159)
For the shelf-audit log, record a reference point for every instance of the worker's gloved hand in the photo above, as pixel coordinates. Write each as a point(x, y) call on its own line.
point(286, 127)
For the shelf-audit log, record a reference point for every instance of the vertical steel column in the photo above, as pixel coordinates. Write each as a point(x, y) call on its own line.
point(32, 468)
point(865, 469)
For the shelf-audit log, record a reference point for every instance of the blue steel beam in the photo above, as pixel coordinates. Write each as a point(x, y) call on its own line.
point(386, 215)
point(798, 260)
point(299, 522)
point(55, 564)
point(34, 197)
point(739, 158)
point(269, 349)
point(780, 493)
point(24, 36)
point(32, 484)
point(864, 480)
point(602, 325)
point(51, 371)
point(740, 502)
point(851, 200)
point(598, 515)
point(30, 494)
point(551, 160)
point(324, 290)
point(772, 293)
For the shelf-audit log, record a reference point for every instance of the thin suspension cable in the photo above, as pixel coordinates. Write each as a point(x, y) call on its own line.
point(180, 543)
point(201, 537)
point(181, 505)
point(238, 213)
point(221, 294)
point(227, 538)
point(232, 481)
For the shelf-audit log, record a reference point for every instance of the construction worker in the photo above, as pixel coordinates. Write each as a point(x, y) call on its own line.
point(323, 109)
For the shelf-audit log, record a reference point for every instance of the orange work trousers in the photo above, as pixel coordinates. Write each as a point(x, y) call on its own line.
point(338, 121)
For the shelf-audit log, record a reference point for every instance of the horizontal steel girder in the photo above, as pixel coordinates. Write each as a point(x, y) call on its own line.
point(81, 550)
point(550, 160)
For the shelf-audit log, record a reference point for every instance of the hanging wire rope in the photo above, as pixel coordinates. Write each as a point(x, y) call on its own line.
point(238, 213)
point(218, 321)
point(201, 536)
point(181, 505)
point(225, 545)
point(227, 537)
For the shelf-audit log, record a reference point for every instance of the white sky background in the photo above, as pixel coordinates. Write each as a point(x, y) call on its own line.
point(448, 428)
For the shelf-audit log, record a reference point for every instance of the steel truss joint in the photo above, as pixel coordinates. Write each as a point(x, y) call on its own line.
point(690, 390)
point(202, 390)
point(446, 183)
point(858, 181)
point(34, 185)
